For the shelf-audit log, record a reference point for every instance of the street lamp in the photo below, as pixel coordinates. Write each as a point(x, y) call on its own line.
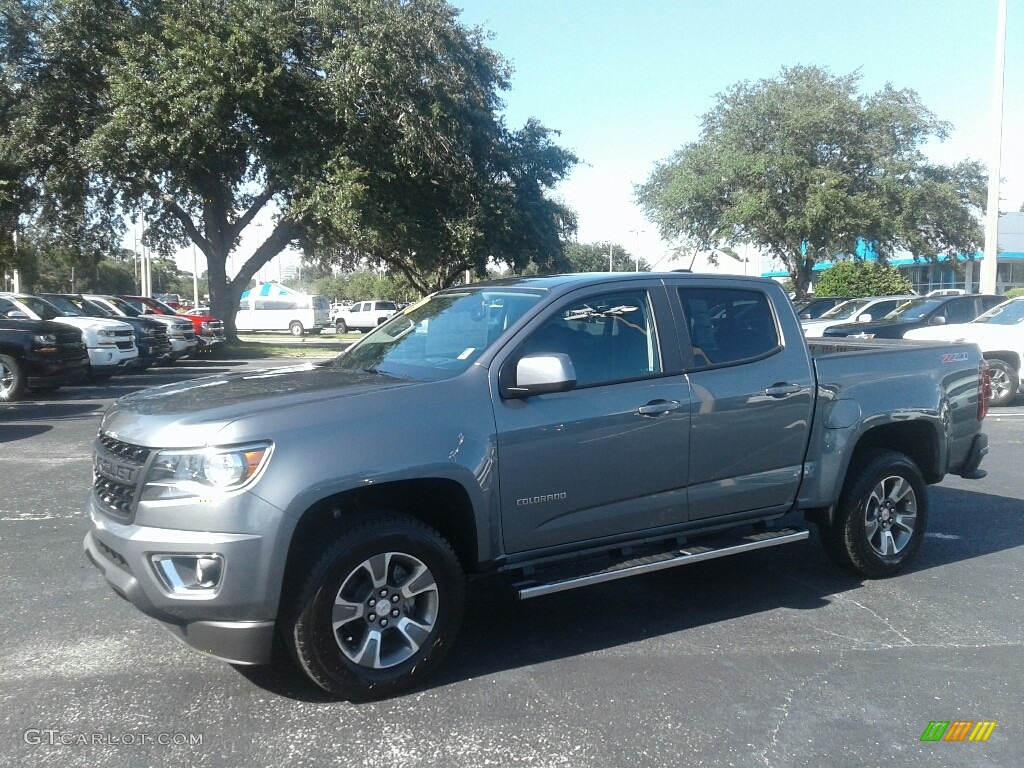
point(636, 254)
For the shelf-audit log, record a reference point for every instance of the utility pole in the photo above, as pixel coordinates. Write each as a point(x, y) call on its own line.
point(989, 267)
point(611, 267)
point(636, 254)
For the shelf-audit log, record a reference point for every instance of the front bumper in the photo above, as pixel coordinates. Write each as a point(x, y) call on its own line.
point(110, 359)
point(233, 621)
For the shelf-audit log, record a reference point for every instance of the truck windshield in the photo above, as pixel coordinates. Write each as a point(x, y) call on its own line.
point(44, 310)
point(844, 310)
point(915, 309)
point(1008, 313)
point(441, 336)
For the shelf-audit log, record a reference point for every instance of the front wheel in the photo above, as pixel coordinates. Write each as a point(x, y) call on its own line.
point(379, 609)
point(1005, 382)
point(881, 517)
point(12, 379)
point(296, 329)
point(340, 326)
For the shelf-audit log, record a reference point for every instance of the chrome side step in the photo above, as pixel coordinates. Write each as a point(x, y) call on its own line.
point(671, 559)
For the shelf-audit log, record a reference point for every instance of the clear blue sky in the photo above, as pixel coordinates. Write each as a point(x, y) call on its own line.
point(626, 82)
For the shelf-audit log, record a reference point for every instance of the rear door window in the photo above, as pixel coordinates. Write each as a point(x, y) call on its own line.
point(728, 325)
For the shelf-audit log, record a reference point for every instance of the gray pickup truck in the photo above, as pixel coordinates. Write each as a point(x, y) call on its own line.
point(543, 433)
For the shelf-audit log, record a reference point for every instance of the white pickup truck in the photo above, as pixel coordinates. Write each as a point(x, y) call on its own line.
point(1000, 335)
point(364, 315)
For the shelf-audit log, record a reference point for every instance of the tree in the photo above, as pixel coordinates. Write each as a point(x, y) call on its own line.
point(364, 127)
point(804, 166)
point(862, 278)
point(593, 257)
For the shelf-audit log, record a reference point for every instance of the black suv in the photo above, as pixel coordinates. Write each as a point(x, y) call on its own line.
point(918, 313)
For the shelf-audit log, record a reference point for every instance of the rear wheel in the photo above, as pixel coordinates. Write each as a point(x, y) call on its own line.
point(378, 610)
point(1005, 382)
point(12, 379)
point(881, 517)
point(296, 329)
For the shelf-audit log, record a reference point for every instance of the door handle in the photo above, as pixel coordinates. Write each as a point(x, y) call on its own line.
point(781, 389)
point(658, 407)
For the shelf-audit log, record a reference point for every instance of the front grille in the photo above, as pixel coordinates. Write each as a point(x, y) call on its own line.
point(70, 346)
point(125, 339)
point(118, 470)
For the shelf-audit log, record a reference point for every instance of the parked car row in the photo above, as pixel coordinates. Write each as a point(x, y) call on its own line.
point(994, 324)
point(49, 340)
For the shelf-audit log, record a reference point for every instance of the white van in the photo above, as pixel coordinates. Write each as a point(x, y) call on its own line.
point(275, 307)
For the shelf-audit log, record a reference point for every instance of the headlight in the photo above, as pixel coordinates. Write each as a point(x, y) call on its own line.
point(863, 336)
point(106, 334)
point(204, 472)
point(45, 339)
point(207, 326)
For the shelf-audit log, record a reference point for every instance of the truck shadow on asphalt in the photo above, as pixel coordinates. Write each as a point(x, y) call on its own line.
point(500, 633)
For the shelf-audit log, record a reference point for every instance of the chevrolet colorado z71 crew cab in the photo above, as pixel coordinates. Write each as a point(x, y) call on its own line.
point(547, 433)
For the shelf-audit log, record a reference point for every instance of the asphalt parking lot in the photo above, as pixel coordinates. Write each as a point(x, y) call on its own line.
point(772, 658)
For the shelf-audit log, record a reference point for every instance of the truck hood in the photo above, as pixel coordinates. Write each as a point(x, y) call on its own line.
point(190, 414)
point(94, 323)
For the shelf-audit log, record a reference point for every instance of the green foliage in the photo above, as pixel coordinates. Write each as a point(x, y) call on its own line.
point(1014, 293)
point(370, 130)
point(803, 165)
point(862, 278)
point(593, 257)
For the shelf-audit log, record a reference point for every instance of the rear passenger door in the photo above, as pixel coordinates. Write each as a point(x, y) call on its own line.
point(608, 457)
point(752, 390)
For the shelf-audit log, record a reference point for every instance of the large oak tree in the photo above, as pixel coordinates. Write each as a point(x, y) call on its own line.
point(369, 128)
point(804, 165)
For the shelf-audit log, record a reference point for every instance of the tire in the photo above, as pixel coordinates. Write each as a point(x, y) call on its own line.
point(315, 331)
point(340, 326)
point(372, 568)
point(295, 328)
point(1005, 382)
point(881, 517)
point(12, 380)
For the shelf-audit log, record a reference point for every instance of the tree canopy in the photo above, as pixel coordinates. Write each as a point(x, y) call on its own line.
point(368, 130)
point(804, 165)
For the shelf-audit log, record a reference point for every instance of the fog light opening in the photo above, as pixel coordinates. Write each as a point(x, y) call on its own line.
point(189, 574)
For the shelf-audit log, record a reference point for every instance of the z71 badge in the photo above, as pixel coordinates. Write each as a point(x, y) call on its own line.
point(955, 357)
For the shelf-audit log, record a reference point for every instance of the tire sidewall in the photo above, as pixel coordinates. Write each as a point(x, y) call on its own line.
point(324, 660)
point(853, 547)
point(18, 386)
point(1013, 378)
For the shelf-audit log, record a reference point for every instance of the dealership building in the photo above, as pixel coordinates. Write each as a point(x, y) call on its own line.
point(961, 273)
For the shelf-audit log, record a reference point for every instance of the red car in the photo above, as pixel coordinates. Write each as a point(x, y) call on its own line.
point(209, 330)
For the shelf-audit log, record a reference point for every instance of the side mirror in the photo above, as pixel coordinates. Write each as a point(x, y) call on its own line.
point(541, 375)
point(865, 318)
point(937, 321)
point(805, 316)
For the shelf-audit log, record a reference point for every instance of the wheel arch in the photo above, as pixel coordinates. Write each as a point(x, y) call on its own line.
point(918, 440)
point(1009, 357)
point(441, 503)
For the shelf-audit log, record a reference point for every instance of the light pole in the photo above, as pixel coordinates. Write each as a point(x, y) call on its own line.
point(989, 266)
point(636, 254)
